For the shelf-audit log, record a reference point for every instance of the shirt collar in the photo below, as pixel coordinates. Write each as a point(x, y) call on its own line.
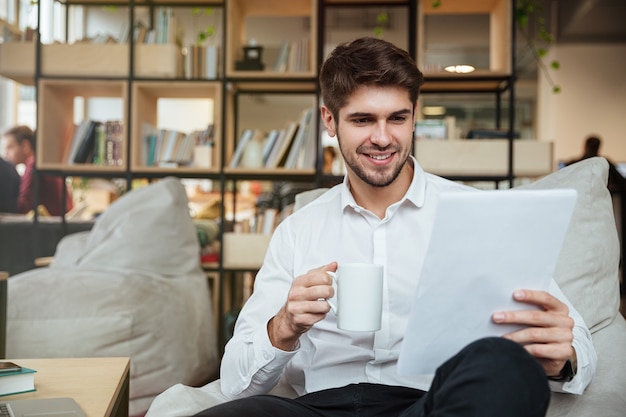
point(415, 194)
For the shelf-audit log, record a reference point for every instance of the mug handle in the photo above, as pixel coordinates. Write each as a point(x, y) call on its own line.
point(331, 303)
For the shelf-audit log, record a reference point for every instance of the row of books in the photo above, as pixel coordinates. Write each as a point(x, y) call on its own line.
point(201, 62)
point(293, 56)
point(165, 31)
point(294, 146)
point(172, 148)
point(96, 143)
point(264, 222)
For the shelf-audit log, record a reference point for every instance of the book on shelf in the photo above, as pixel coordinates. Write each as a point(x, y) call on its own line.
point(172, 148)
point(84, 152)
point(96, 143)
point(150, 37)
point(308, 153)
point(72, 148)
point(139, 33)
point(201, 62)
point(279, 151)
point(246, 136)
point(299, 140)
point(99, 153)
point(292, 56)
point(16, 382)
point(270, 141)
point(282, 59)
point(147, 148)
point(299, 57)
point(166, 27)
point(211, 62)
point(114, 138)
point(169, 147)
point(268, 223)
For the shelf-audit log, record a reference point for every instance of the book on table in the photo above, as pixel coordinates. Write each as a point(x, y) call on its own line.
point(16, 382)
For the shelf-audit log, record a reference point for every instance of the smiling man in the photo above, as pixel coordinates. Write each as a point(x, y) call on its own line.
point(382, 213)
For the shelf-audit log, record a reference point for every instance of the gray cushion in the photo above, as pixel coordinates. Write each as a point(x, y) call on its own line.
point(587, 270)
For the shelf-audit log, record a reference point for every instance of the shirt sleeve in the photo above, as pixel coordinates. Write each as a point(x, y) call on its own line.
point(251, 365)
point(586, 356)
point(25, 199)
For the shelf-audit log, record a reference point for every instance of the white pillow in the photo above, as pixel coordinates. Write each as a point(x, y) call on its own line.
point(148, 229)
point(587, 270)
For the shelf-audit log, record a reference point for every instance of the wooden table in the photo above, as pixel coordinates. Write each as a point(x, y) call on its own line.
point(98, 385)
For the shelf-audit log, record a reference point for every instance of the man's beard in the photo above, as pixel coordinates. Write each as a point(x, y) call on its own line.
point(375, 178)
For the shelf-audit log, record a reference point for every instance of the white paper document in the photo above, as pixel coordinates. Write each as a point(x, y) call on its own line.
point(484, 245)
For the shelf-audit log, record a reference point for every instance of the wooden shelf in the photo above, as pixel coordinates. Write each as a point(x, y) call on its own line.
point(269, 172)
point(500, 21)
point(476, 82)
point(146, 95)
point(461, 6)
point(141, 2)
point(240, 33)
point(56, 120)
point(17, 61)
point(484, 157)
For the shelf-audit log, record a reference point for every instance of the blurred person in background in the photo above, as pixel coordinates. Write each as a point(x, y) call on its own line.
point(19, 148)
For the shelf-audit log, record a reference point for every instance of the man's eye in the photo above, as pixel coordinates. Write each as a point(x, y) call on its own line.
point(360, 121)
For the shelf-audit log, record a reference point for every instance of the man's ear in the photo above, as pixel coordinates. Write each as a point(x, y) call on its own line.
point(329, 121)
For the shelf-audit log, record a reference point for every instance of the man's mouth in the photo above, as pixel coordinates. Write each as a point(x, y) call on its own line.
point(380, 157)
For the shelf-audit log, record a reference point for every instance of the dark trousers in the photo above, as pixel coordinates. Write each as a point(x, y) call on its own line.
point(492, 377)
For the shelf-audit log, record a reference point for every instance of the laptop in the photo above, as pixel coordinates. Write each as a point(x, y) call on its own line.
point(41, 407)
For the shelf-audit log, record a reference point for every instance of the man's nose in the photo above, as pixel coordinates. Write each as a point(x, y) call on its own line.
point(380, 135)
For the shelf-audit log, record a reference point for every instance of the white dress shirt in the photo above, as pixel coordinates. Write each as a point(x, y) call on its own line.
point(335, 228)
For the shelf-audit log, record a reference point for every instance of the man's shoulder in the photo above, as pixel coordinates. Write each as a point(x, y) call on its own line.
point(444, 184)
point(318, 199)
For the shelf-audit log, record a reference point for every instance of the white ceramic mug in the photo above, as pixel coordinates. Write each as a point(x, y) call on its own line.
point(358, 299)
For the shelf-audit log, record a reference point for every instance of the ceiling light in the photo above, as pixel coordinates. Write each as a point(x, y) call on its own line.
point(460, 69)
point(433, 111)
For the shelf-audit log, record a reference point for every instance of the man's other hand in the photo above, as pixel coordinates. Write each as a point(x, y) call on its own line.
point(548, 336)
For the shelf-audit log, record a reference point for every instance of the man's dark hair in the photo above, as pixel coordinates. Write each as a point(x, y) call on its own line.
point(367, 61)
point(21, 134)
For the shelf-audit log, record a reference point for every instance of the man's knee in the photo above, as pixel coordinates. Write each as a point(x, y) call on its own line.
point(509, 356)
point(502, 363)
point(491, 375)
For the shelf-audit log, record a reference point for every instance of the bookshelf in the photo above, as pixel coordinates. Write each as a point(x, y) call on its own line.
point(139, 76)
point(56, 122)
point(144, 110)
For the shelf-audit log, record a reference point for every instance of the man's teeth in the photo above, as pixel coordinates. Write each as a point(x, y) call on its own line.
point(380, 157)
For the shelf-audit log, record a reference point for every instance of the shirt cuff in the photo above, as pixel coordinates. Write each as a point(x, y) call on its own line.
point(586, 361)
point(267, 357)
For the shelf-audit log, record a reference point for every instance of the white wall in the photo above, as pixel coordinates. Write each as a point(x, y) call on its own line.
point(592, 100)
